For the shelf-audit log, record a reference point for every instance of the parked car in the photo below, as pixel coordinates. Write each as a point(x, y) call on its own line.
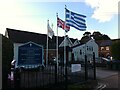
point(105, 59)
point(54, 60)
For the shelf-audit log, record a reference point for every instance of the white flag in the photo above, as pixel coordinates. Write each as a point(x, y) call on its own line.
point(50, 31)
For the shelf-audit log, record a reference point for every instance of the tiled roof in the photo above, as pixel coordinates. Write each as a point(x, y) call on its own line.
point(18, 36)
point(104, 43)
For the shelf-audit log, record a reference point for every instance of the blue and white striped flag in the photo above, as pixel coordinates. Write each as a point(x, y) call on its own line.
point(75, 20)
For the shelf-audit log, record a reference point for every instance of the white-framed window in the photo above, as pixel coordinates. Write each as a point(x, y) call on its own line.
point(92, 48)
point(102, 48)
point(107, 48)
point(80, 52)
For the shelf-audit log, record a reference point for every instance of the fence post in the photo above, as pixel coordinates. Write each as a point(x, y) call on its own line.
point(86, 69)
point(66, 77)
point(17, 78)
point(55, 73)
point(94, 65)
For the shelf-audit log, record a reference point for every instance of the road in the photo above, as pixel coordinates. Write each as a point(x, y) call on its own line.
point(104, 73)
point(107, 79)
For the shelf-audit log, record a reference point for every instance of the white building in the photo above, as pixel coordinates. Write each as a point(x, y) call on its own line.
point(73, 46)
point(87, 48)
point(19, 38)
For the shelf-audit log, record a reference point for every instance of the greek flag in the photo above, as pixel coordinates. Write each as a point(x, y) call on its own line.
point(75, 20)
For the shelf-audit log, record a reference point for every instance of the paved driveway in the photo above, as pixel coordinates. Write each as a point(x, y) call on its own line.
point(108, 78)
point(104, 73)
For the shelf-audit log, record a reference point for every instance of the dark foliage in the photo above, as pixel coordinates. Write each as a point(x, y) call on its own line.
point(115, 49)
point(84, 39)
point(98, 36)
point(87, 34)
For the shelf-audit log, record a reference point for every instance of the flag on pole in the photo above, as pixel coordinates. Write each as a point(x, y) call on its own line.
point(50, 31)
point(61, 24)
point(75, 20)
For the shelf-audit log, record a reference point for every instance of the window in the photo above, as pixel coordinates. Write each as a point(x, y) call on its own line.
point(92, 48)
point(87, 47)
point(102, 48)
point(80, 52)
point(107, 48)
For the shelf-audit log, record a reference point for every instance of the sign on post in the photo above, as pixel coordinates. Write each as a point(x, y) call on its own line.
point(76, 67)
point(30, 54)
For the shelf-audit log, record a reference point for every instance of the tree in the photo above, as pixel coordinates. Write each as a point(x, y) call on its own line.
point(115, 49)
point(84, 39)
point(87, 34)
point(96, 33)
point(105, 37)
point(98, 36)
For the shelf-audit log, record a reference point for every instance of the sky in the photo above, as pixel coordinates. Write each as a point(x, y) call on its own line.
point(32, 15)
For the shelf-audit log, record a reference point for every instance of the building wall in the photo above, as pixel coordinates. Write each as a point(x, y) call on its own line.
point(85, 49)
point(94, 45)
point(105, 47)
point(16, 45)
point(105, 51)
point(51, 52)
point(0, 61)
point(76, 52)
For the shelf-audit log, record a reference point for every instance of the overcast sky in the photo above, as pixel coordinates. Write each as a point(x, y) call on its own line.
point(32, 15)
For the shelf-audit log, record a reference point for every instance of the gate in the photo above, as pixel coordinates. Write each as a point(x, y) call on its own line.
point(81, 71)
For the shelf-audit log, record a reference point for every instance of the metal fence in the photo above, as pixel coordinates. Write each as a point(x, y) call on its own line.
point(52, 76)
point(40, 77)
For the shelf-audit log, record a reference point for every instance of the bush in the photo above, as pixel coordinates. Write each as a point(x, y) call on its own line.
point(115, 48)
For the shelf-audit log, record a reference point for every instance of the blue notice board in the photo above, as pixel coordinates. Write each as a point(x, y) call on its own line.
point(30, 54)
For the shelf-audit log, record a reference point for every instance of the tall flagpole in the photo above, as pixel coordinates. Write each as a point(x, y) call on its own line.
point(57, 47)
point(65, 41)
point(47, 45)
point(65, 61)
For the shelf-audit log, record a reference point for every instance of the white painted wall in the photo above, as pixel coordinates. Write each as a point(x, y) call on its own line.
point(87, 49)
point(93, 44)
point(76, 52)
point(69, 56)
point(16, 45)
point(76, 43)
point(67, 42)
point(0, 61)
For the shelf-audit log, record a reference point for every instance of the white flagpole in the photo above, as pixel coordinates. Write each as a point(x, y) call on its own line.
point(57, 47)
point(64, 51)
point(47, 45)
point(65, 43)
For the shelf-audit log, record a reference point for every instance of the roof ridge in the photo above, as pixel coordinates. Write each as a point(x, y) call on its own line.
point(23, 31)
